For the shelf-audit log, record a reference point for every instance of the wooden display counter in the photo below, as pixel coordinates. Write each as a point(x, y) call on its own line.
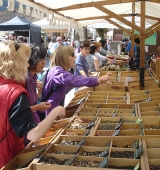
point(114, 127)
point(155, 67)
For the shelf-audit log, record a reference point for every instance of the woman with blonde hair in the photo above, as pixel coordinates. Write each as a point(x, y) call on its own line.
point(60, 78)
point(17, 119)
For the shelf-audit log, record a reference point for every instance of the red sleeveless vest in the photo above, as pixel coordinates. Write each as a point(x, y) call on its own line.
point(10, 143)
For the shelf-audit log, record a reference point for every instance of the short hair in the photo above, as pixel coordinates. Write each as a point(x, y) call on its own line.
point(14, 60)
point(20, 38)
point(103, 42)
point(58, 38)
point(37, 53)
point(25, 40)
point(92, 49)
point(85, 44)
point(137, 40)
point(14, 34)
point(125, 39)
point(97, 44)
point(60, 57)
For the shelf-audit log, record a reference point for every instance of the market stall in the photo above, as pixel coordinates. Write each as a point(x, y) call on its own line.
point(114, 127)
point(23, 27)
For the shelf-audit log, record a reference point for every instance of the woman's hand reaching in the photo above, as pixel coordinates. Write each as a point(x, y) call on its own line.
point(104, 79)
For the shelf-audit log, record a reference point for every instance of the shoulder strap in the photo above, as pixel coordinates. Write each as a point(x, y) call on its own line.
point(52, 89)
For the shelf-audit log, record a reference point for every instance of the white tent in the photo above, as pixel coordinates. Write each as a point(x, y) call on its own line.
point(89, 12)
point(83, 9)
point(46, 26)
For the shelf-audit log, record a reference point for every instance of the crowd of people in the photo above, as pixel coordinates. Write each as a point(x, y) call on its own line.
point(29, 106)
point(22, 117)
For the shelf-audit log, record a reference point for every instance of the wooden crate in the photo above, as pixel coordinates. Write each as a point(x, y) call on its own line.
point(87, 112)
point(18, 160)
point(91, 149)
point(114, 87)
point(124, 162)
point(152, 143)
point(151, 119)
point(74, 132)
point(155, 67)
point(135, 86)
point(153, 162)
point(40, 142)
point(96, 144)
point(62, 149)
point(114, 73)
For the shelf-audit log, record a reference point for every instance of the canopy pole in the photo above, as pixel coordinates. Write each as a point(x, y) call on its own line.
point(142, 45)
point(29, 37)
point(132, 37)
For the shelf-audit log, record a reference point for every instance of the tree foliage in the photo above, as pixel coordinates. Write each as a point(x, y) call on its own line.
point(101, 32)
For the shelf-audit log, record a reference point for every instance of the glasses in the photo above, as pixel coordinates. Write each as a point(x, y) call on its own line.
point(73, 54)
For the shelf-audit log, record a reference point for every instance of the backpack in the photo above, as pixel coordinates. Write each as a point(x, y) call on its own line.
point(42, 77)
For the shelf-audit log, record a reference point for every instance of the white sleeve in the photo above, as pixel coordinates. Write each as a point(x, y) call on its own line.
point(100, 57)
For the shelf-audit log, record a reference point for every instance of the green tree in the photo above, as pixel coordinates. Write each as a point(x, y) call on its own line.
point(76, 36)
point(101, 32)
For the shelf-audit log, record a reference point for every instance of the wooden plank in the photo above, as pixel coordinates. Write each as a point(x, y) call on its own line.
point(155, 1)
point(122, 15)
point(100, 17)
point(132, 38)
point(90, 4)
point(114, 23)
point(116, 16)
point(142, 41)
point(153, 26)
point(152, 32)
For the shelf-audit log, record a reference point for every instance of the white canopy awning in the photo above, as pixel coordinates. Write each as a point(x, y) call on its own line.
point(152, 9)
point(46, 25)
point(97, 14)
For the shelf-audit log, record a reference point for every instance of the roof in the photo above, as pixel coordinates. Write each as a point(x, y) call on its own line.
point(89, 12)
point(45, 25)
point(18, 23)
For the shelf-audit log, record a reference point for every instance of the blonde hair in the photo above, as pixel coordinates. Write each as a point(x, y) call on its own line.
point(97, 44)
point(13, 60)
point(60, 57)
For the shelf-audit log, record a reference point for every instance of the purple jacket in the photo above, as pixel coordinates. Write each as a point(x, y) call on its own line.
point(60, 78)
point(31, 89)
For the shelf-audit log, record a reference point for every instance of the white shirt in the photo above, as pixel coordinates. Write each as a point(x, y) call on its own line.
point(50, 45)
point(100, 58)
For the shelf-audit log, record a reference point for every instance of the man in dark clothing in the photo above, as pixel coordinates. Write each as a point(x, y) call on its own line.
point(137, 53)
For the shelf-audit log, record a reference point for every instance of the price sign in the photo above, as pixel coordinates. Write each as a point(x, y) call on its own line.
point(136, 167)
point(138, 120)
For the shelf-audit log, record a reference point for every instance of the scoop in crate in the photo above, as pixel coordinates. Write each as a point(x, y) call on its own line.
point(104, 153)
